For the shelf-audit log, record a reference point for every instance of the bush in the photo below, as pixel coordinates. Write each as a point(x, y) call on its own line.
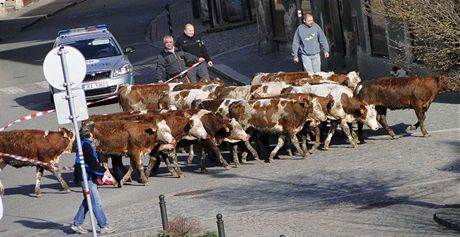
point(185, 227)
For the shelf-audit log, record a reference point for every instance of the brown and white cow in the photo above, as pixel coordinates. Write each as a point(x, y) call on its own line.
point(415, 93)
point(38, 145)
point(345, 109)
point(350, 80)
point(280, 116)
point(320, 106)
point(142, 97)
point(183, 99)
point(221, 107)
point(201, 84)
point(250, 91)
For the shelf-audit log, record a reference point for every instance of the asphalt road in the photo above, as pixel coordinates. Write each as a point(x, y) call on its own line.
point(382, 188)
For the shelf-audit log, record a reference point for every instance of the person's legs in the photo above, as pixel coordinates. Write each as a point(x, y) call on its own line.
point(202, 71)
point(97, 205)
point(316, 62)
point(81, 213)
point(307, 64)
point(192, 74)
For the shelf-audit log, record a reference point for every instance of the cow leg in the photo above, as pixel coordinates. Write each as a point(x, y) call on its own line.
point(304, 143)
point(38, 180)
point(382, 118)
point(252, 150)
point(126, 176)
point(317, 133)
point(2, 166)
point(55, 170)
point(152, 161)
point(140, 168)
point(191, 154)
point(172, 156)
point(296, 144)
point(331, 132)
point(360, 133)
point(421, 118)
point(346, 129)
point(202, 162)
point(235, 155)
point(278, 146)
point(212, 148)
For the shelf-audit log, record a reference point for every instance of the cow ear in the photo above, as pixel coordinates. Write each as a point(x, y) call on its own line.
point(304, 104)
point(187, 114)
point(188, 126)
point(64, 132)
point(151, 130)
point(362, 109)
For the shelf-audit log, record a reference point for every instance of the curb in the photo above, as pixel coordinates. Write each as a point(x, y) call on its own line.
point(447, 220)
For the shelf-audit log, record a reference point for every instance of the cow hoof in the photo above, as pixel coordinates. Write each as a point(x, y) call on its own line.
point(237, 165)
point(227, 167)
point(38, 195)
point(204, 171)
point(426, 135)
point(120, 185)
point(146, 183)
point(67, 190)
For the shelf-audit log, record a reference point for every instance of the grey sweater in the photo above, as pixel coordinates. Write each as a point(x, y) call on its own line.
point(308, 40)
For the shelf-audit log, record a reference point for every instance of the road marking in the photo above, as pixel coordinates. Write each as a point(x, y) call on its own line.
point(12, 90)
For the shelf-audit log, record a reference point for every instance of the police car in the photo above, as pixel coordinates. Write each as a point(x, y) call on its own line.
point(107, 66)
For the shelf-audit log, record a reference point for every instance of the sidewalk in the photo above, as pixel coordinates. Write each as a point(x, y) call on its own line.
point(15, 21)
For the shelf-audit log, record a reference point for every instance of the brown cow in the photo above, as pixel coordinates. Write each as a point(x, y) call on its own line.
point(177, 126)
point(44, 146)
point(415, 93)
point(141, 97)
point(134, 139)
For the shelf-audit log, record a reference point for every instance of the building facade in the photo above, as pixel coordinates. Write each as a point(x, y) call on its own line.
point(357, 40)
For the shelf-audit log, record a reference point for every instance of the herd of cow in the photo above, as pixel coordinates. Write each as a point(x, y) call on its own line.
point(157, 118)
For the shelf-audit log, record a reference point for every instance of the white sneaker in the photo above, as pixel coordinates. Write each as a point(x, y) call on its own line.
point(78, 229)
point(106, 230)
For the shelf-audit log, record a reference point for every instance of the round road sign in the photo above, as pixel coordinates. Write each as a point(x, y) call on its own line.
point(75, 64)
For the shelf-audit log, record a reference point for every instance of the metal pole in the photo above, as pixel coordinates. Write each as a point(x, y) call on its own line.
point(70, 96)
point(164, 214)
point(220, 225)
point(168, 15)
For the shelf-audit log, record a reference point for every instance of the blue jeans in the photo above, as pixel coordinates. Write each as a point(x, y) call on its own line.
point(311, 63)
point(95, 203)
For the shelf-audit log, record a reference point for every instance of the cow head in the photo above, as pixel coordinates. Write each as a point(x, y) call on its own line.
point(369, 116)
point(318, 112)
point(237, 133)
point(70, 136)
point(163, 133)
point(196, 128)
point(353, 79)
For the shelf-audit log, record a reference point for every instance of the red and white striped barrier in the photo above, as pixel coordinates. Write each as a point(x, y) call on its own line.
point(39, 114)
point(185, 71)
point(21, 158)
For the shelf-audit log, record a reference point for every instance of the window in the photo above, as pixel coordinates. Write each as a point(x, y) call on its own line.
point(379, 45)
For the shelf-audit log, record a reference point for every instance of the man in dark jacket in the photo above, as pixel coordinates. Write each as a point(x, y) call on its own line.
point(94, 171)
point(191, 43)
point(173, 61)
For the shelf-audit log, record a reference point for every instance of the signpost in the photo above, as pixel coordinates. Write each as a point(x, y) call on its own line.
point(65, 68)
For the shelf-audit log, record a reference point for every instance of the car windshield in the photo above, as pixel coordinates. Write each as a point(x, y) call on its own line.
point(96, 48)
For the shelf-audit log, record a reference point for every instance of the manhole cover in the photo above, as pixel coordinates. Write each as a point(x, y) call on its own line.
point(194, 192)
